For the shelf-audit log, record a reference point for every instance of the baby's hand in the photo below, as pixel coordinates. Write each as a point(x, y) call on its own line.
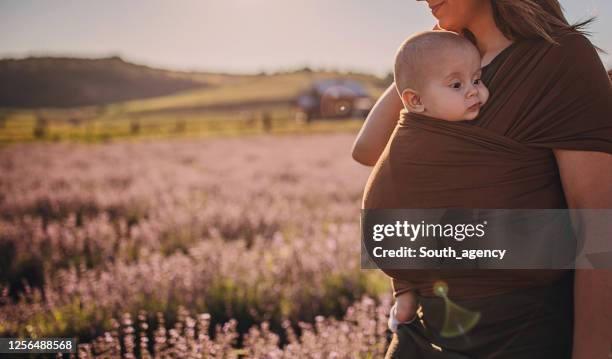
point(406, 307)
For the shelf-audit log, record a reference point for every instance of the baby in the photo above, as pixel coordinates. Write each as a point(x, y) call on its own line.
point(437, 74)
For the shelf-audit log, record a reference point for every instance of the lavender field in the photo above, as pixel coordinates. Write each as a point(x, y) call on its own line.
point(234, 247)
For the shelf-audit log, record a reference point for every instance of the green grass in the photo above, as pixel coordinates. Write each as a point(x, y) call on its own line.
point(252, 89)
point(231, 108)
point(23, 130)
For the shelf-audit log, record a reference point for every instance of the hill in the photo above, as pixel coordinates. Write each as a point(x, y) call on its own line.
point(91, 100)
point(71, 82)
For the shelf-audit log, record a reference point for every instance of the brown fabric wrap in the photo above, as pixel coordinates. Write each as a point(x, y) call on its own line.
point(543, 96)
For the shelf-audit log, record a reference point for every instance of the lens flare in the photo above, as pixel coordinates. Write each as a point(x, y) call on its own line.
point(457, 320)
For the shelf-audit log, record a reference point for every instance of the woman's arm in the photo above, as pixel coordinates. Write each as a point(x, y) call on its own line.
point(587, 183)
point(377, 129)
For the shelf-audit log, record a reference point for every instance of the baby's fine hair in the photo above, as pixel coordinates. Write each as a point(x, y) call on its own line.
point(418, 54)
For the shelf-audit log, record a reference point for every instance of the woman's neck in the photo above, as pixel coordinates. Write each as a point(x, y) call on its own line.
point(489, 38)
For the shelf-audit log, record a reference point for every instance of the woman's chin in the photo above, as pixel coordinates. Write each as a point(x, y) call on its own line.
point(445, 25)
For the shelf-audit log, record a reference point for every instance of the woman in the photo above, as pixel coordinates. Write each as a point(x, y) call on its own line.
point(550, 122)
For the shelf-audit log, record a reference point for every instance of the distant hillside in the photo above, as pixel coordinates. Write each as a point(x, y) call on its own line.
point(69, 82)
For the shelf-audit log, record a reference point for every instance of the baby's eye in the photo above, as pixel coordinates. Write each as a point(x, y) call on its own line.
point(456, 85)
point(477, 81)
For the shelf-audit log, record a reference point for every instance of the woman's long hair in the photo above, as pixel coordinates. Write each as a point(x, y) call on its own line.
point(533, 19)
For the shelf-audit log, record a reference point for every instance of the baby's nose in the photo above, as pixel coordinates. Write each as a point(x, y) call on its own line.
point(472, 91)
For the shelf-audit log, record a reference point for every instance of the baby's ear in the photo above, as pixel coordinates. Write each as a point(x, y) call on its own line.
point(412, 101)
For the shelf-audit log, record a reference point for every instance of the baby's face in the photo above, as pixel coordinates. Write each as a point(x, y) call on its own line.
point(454, 91)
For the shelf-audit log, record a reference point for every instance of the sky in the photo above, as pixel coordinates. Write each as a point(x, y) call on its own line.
point(245, 36)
